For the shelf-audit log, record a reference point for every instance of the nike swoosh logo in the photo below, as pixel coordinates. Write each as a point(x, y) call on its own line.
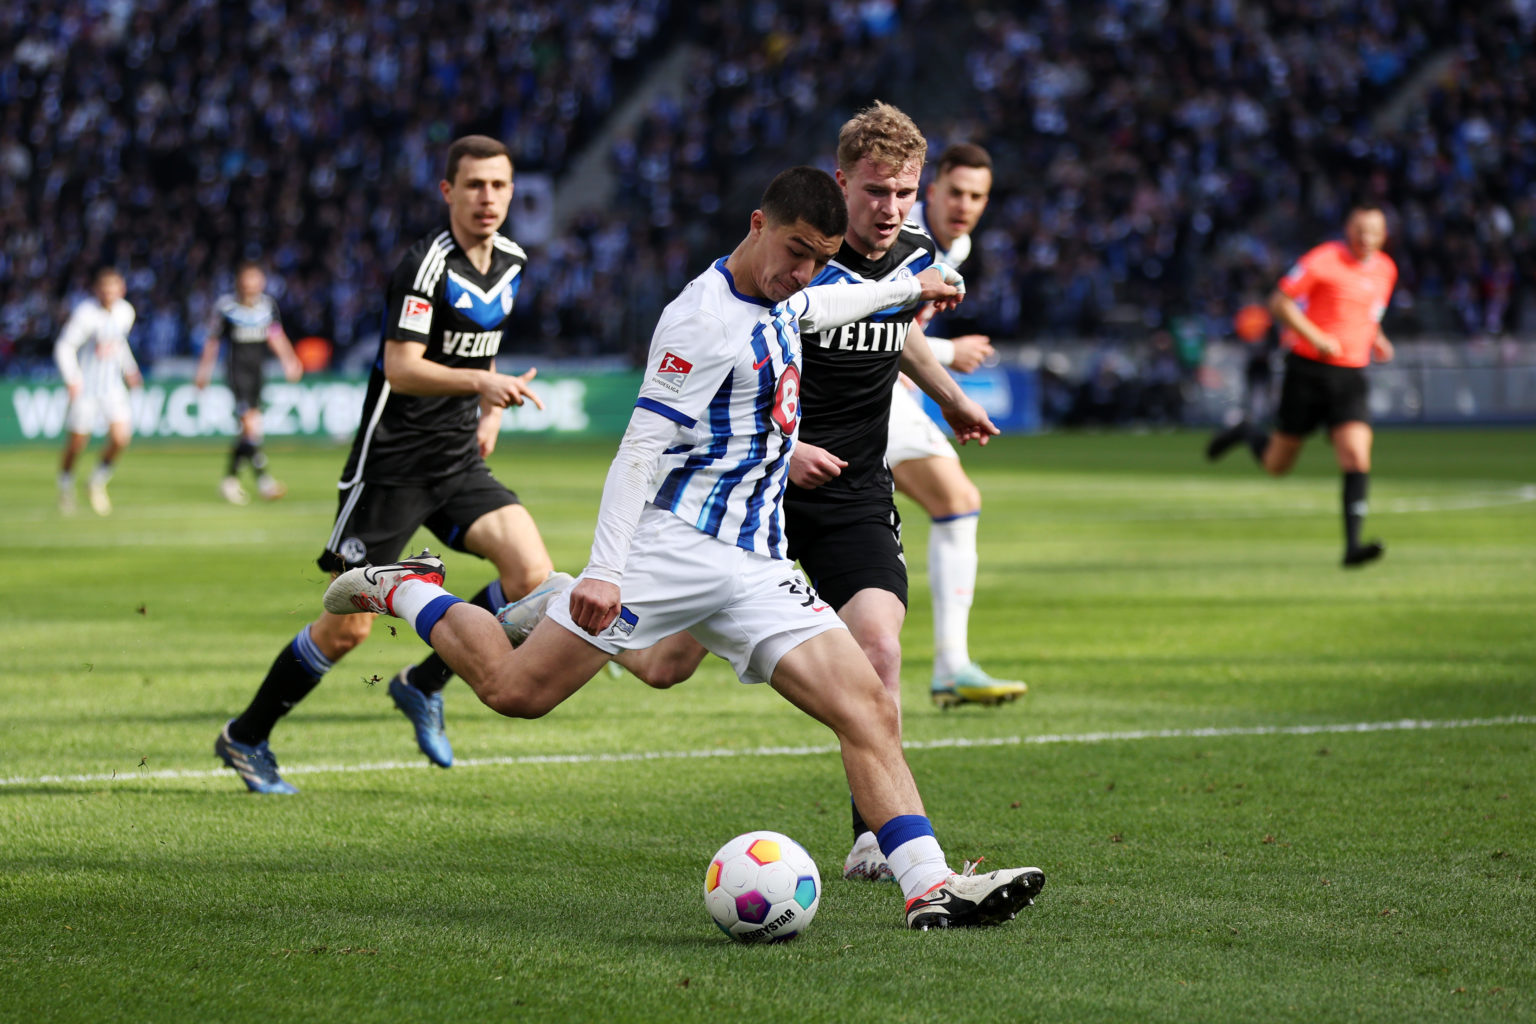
point(761, 363)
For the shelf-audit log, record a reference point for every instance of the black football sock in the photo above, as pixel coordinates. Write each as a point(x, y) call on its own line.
point(859, 828)
point(240, 453)
point(1222, 440)
point(296, 670)
point(1258, 440)
point(1356, 487)
point(433, 673)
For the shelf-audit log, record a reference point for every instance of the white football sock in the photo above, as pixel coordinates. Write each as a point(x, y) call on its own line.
point(918, 865)
point(412, 597)
point(952, 565)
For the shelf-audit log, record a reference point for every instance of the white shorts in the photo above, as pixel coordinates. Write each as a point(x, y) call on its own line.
point(90, 413)
point(914, 435)
point(745, 607)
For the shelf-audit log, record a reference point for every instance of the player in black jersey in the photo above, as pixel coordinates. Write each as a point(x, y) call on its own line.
point(432, 414)
point(840, 516)
point(247, 321)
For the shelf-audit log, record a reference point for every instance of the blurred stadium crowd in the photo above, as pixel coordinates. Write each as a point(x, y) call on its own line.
point(1158, 162)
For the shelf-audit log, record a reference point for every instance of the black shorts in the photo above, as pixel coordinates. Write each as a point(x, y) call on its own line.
point(375, 521)
point(245, 385)
point(847, 547)
point(1319, 394)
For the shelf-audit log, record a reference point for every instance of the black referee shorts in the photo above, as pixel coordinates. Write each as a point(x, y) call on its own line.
point(846, 547)
point(375, 521)
point(1319, 394)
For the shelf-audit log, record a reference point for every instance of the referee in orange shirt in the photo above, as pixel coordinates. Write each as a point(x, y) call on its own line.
point(1331, 305)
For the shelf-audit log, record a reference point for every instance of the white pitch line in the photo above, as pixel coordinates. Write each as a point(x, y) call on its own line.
point(1471, 501)
point(1401, 725)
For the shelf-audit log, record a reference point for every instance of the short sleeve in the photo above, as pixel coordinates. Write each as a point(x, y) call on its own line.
point(214, 326)
point(1301, 278)
point(410, 307)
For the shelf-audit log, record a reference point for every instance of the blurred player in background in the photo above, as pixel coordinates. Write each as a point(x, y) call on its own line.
point(925, 465)
point(1331, 304)
point(431, 416)
point(840, 511)
point(689, 538)
point(98, 367)
point(249, 322)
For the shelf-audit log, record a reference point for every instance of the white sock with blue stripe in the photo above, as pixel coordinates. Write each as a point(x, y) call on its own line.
point(421, 604)
point(913, 853)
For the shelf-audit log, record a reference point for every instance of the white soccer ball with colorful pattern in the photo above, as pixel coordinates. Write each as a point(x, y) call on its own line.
point(762, 887)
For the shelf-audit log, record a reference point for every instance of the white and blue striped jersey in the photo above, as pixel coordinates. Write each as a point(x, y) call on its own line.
point(725, 367)
point(92, 349)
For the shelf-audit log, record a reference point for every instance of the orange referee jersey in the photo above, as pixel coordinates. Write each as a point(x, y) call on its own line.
point(1343, 297)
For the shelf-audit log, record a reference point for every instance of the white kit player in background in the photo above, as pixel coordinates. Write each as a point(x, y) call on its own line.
point(923, 462)
point(690, 527)
point(98, 367)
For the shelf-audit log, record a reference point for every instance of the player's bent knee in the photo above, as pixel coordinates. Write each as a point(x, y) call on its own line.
point(514, 701)
point(337, 635)
point(870, 720)
point(883, 652)
point(518, 585)
point(662, 677)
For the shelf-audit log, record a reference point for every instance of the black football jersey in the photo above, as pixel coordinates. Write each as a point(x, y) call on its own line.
point(244, 330)
point(438, 298)
point(845, 389)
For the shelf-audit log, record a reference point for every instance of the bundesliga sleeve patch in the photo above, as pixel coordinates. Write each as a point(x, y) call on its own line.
point(416, 315)
point(673, 372)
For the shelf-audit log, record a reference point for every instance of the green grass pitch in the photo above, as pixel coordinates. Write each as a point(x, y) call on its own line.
point(1261, 787)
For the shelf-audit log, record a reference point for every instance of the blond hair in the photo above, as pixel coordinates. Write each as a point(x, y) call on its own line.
point(883, 134)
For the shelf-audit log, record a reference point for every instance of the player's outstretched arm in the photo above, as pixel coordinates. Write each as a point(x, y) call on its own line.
point(827, 306)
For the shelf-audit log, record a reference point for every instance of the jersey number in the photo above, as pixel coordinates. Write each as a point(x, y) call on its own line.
point(800, 589)
point(786, 401)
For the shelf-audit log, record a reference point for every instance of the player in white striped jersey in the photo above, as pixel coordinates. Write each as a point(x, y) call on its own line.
point(924, 464)
point(97, 364)
point(689, 538)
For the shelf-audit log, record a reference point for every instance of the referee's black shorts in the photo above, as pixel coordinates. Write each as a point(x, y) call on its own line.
point(375, 521)
point(846, 547)
point(1319, 394)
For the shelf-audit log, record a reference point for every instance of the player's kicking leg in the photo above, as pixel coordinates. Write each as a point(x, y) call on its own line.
point(867, 726)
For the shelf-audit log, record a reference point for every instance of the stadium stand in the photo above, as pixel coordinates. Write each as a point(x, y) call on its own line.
point(1156, 161)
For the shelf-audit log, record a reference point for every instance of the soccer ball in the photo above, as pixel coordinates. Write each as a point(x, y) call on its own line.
point(762, 887)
